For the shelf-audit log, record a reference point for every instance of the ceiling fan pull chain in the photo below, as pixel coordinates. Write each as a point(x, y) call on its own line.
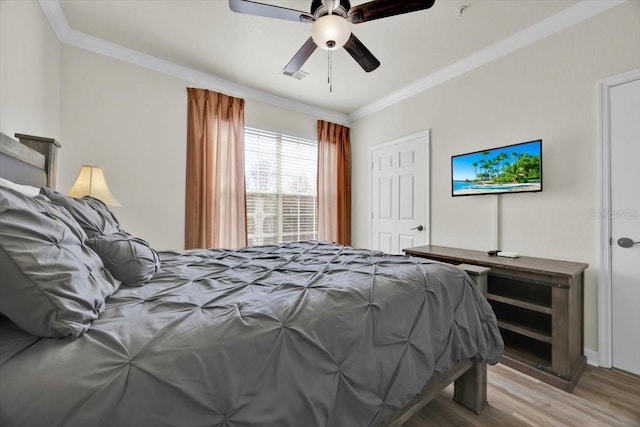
point(330, 71)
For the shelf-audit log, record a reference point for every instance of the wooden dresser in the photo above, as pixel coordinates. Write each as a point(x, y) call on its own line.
point(539, 306)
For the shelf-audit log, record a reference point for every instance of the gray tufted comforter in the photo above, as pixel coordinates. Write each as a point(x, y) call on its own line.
point(298, 334)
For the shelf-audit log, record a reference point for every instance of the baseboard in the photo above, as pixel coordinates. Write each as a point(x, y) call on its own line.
point(592, 357)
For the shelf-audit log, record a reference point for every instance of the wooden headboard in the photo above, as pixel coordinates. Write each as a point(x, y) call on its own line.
point(30, 160)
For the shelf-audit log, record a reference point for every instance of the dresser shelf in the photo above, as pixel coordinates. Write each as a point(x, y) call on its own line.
point(527, 331)
point(520, 303)
point(539, 306)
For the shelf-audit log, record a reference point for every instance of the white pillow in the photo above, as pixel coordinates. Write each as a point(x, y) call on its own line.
point(27, 190)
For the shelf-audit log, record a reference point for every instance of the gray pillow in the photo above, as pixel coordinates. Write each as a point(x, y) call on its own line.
point(51, 285)
point(94, 217)
point(129, 259)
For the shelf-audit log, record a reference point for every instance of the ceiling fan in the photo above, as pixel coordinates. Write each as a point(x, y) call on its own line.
point(331, 24)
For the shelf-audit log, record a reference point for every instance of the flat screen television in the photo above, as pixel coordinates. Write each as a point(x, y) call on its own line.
point(513, 168)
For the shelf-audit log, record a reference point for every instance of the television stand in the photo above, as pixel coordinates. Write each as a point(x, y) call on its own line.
point(539, 306)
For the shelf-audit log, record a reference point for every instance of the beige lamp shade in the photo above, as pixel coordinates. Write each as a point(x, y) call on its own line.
point(91, 182)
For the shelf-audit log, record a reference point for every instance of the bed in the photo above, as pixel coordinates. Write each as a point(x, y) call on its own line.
point(297, 334)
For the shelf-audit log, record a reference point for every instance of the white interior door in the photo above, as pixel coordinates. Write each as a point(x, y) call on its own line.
point(399, 194)
point(625, 223)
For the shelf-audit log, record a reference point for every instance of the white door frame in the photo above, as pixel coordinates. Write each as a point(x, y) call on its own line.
point(427, 197)
point(604, 205)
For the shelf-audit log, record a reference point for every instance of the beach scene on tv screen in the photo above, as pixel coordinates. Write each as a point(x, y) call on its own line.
point(511, 169)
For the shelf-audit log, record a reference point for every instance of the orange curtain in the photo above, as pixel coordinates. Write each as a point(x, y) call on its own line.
point(334, 183)
point(215, 206)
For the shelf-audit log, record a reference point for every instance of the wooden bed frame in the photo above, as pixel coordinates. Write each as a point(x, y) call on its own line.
point(22, 159)
point(469, 377)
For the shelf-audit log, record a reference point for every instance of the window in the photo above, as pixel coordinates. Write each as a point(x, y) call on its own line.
point(280, 175)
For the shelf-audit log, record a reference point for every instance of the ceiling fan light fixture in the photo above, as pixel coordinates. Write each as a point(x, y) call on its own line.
point(331, 32)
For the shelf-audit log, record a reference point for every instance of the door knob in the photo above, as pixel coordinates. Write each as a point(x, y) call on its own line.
point(625, 242)
point(419, 228)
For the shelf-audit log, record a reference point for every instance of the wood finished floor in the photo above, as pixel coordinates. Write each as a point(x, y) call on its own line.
point(603, 397)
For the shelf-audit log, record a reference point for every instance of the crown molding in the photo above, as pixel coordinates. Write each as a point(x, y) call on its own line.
point(57, 20)
point(545, 28)
point(53, 11)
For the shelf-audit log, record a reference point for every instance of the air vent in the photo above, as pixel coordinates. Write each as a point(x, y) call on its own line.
point(298, 75)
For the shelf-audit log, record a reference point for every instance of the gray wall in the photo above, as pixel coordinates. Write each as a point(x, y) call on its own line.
point(133, 123)
point(546, 90)
point(29, 71)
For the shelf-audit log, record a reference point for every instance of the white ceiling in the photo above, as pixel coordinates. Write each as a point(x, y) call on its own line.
point(251, 51)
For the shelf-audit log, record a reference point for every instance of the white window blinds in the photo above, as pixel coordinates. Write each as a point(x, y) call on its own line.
point(280, 175)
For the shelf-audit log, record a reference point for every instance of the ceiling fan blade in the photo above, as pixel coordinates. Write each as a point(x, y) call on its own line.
point(270, 11)
point(361, 54)
point(300, 57)
point(377, 9)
